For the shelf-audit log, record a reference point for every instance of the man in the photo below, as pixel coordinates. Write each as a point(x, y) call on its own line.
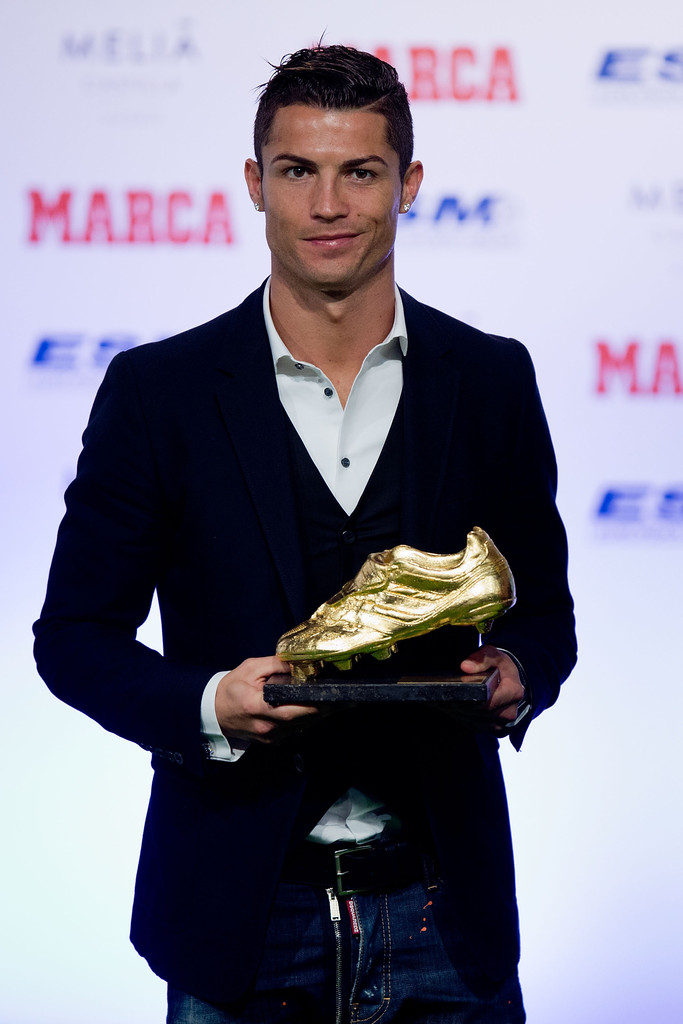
point(245, 470)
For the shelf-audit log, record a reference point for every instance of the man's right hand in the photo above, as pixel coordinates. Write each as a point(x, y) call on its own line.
point(241, 710)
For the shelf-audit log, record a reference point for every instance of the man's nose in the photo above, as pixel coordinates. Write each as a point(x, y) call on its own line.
point(328, 200)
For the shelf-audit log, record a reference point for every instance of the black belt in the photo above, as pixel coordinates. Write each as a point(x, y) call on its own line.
point(367, 867)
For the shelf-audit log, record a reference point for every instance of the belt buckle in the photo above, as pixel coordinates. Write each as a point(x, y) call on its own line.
point(339, 871)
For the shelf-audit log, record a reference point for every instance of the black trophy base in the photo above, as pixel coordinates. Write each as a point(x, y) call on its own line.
point(470, 688)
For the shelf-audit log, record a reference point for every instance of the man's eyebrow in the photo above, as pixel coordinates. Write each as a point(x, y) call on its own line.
point(303, 161)
point(293, 158)
point(373, 158)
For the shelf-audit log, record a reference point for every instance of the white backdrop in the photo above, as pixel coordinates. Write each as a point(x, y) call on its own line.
point(552, 210)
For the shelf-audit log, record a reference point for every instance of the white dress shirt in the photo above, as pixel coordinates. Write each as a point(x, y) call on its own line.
point(344, 444)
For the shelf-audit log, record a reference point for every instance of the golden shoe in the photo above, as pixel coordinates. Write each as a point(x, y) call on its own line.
point(399, 593)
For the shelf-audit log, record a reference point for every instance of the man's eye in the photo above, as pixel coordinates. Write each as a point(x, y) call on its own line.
point(296, 172)
point(362, 173)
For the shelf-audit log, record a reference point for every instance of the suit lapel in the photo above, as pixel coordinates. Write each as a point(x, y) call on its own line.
point(253, 415)
point(431, 382)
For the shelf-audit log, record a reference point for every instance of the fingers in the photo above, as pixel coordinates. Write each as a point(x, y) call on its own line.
point(241, 710)
point(256, 671)
point(483, 658)
point(501, 708)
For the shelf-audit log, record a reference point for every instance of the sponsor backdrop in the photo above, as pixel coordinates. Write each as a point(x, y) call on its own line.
point(552, 210)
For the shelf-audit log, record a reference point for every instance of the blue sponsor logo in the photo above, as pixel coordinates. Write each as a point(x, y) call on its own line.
point(639, 74)
point(630, 503)
point(455, 210)
point(460, 218)
point(66, 352)
point(640, 510)
point(641, 64)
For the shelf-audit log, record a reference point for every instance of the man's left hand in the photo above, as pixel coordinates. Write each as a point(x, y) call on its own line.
point(502, 707)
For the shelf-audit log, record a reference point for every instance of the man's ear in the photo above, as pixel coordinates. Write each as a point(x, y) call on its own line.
point(411, 185)
point(252, 176)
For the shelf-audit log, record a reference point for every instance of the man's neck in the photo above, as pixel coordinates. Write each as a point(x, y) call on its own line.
point(334, 332)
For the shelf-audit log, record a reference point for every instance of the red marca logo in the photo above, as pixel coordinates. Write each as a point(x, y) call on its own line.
point(639, 369)
point(131, 217)
point(460, 73)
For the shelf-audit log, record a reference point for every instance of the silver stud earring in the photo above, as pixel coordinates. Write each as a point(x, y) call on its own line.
point(257, 207)
point(406, 207)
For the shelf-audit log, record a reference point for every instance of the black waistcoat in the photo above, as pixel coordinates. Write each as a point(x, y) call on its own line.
point(334, 545)
point(368, 748)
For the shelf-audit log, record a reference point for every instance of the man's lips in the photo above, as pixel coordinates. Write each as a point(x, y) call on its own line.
point(331, 241)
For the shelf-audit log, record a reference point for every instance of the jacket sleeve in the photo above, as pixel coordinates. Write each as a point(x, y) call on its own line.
point(539, 630)
point(108, 560)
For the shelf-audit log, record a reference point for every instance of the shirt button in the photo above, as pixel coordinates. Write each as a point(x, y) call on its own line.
point(299, 366)
point(328, 392)
point(348, 536)
point(346, 463)
point(299, 763)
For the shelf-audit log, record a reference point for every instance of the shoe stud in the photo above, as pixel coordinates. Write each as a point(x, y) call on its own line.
point(384, 652)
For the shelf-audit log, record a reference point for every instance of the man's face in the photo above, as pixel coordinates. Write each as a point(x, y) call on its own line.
point(332, 192)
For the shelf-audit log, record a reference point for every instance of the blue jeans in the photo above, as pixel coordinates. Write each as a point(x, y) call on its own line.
point(383, 960)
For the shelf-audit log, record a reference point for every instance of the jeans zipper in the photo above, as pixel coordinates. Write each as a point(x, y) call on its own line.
point(335, 918)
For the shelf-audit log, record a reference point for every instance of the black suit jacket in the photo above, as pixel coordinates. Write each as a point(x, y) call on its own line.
point(183, 486)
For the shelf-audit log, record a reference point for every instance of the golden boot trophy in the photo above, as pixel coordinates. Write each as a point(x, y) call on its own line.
point(401, 593)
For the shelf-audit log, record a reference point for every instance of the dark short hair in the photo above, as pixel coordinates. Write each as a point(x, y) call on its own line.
point(337, 78)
